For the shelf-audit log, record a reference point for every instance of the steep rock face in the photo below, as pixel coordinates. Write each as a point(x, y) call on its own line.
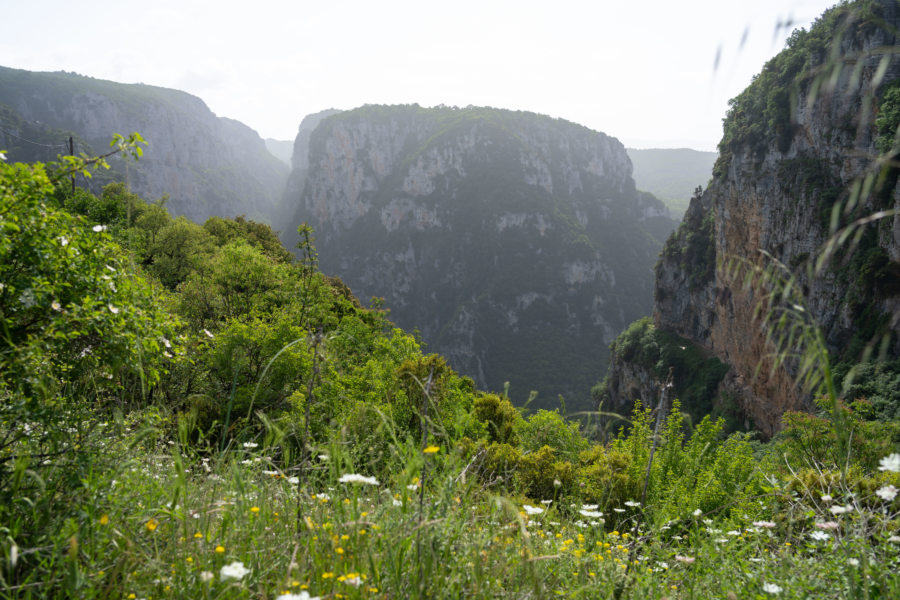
point(515, 243)
point(207, 165)
point(797, 142)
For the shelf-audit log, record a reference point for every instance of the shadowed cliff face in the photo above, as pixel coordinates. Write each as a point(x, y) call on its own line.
point(207, 165)
point(515, 243)
point(781, 170)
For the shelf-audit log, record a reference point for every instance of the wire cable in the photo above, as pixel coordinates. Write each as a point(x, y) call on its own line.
point(33, 142)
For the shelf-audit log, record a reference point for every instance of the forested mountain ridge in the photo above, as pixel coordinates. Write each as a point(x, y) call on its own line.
point(206, 165)
point(804, 152)
point(515, 243)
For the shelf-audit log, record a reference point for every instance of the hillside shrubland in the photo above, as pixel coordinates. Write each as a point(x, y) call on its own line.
point(188, 411)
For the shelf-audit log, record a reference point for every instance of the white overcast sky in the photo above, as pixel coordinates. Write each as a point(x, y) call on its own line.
point(641, 71)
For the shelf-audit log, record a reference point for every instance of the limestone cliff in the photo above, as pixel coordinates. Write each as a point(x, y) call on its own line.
point(207, 165)
point(804, 137)
point(516, 244)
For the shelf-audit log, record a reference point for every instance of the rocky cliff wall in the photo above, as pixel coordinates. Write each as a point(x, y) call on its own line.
point(516, 244)
point(207, 165)
point(800, 140)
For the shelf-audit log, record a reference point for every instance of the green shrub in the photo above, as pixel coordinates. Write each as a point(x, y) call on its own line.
point(501, 418)
point(548, 428)
point(542, 475)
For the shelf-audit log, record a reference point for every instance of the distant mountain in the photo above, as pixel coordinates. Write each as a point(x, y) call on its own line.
point(672, 175)
point(280, 149)
point(207, 165)
point(516, 244)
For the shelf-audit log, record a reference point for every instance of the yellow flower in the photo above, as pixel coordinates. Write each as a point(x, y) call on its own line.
point(339, 550)
point(254, 509)
point(190, 559)
point(104, 519)
point(431, 449)
point(151, 525)
point(327, 575)
point(198, 535)
point(220, 549)
point(131, 596)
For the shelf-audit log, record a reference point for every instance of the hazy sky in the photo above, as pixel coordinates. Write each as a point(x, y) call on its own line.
point(642, 71)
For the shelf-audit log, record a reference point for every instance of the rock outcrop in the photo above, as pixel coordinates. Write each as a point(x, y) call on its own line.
point(206, 165)
point(516, 244)
point(806, 136)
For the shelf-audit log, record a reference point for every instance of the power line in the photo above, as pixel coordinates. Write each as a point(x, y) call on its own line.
point(33, 142)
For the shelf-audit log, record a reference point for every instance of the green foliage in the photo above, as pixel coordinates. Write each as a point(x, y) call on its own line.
point(542, 474)
point(73, 308)
point(888, 120)
point(501, 418)
point(696, 375)
point(605, 477)
point(693, 246)
point(763, 114)
point(811, 441)
point(547, 428)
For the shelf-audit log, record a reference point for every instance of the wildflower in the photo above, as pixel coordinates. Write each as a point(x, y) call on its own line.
point(99, 228)
point(250, 445)
point(771, 588)
point(887, 493)
point(293, 480)
point(2, 156)
point(827, 498)
point(104, 519)
point(839, 510)
point(431, 449)
point(357, 478)
point(894, 539)
point(589, 507)
point(591, 513)
point(619, 510)
point(235, 570)
point(765, 524)
point(532, 510)
point(685, 559)
point(697, 512)
point(547, 502)
point(826, 524)
point(208, 334)
point(890, 463)
point(819, 536)
point(557, 483)
point(151, 525)
point(632, 504)
point(254, 509)
point(114, 310)
point(220, 549)
point(206, 576)
point(854, 562)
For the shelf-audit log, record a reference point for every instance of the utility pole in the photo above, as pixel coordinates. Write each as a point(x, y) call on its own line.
point(72, 153)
